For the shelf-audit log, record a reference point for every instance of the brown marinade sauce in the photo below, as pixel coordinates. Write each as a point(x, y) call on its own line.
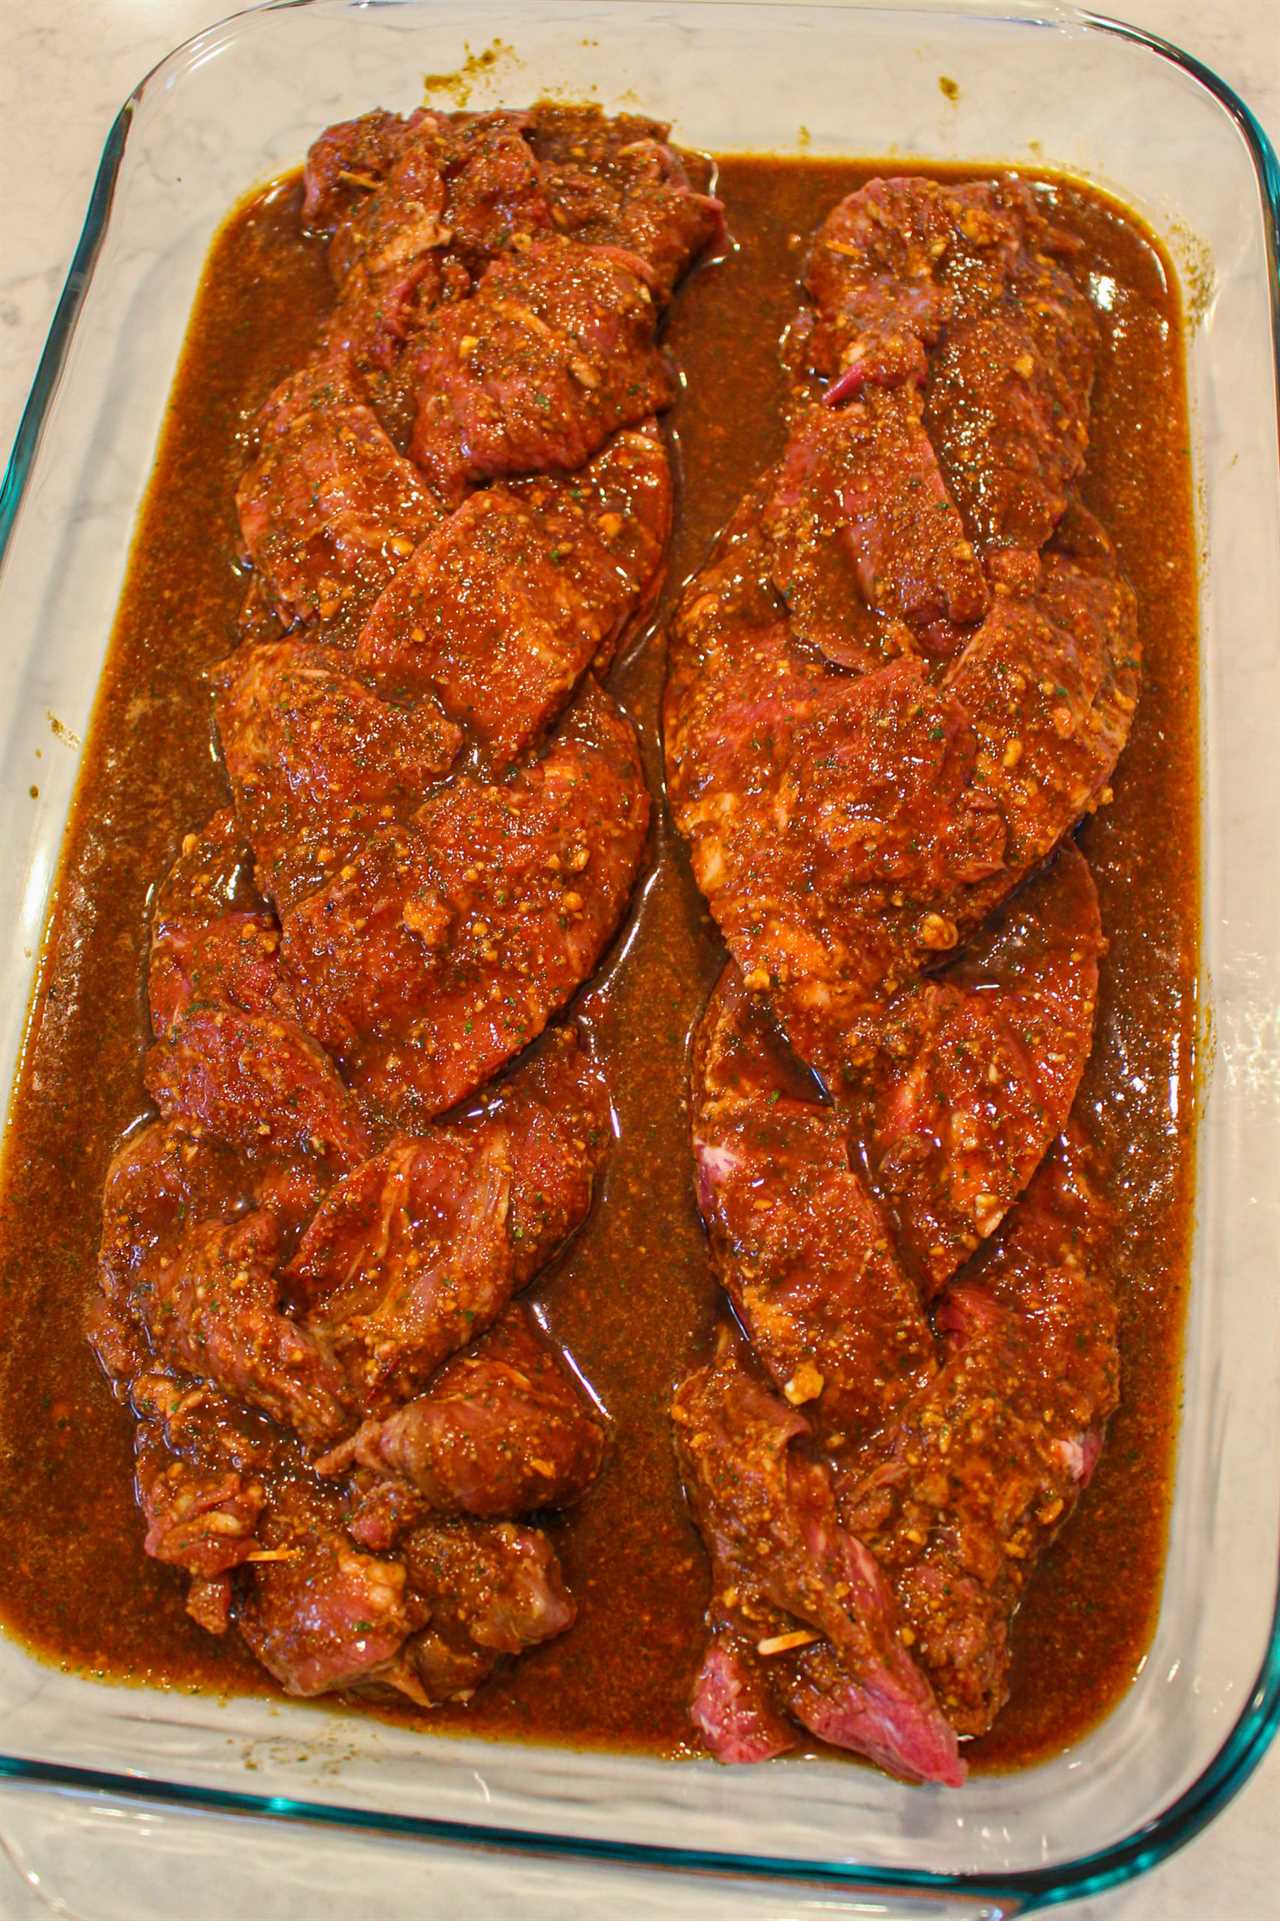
point(632, 1299)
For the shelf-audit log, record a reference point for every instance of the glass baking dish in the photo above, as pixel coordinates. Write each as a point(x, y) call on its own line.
point(1043, 86)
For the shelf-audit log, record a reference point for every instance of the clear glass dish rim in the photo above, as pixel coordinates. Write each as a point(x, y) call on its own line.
point(1028, 1889)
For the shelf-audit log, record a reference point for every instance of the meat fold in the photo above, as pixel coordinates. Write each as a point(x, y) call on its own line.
point(257, 1082)
point(165, 1180)
point(200, 1465)
point(212, 1311)
point(503, 608)
point(552, 353)
point(212, 937)
point(420, 1248)
point(442, 948)
point(862, 541)
point(348, 161)
point(615, 180)
point(328, 509)
point(968, 1075)
point(793, 1590)
point(502, 1430)
point(438, 198)
point(318, 760)
point(964, 1490)
point(798, 1240)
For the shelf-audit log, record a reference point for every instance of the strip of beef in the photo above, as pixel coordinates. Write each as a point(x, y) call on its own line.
point(787, 1572)
point(800, 1244)
point(444, 946)
point(258, 1083)
point(848, 832)
point(212, 937)
point(501, 610)
point(328, 509)
point(502, 1430)
point(492, 1589)
point(862, 539)
point(616, 181)
point(323, 1615)
point(971, 1074)
point(1048, 686)
point(317, 760)
point(963, 1493)
point(553, 353)
point(420, 1249)
point(273, 1288)
point(961, 290)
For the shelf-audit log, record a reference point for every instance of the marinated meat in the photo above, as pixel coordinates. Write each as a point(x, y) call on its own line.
point(849, 831)
point(503, 608)
point(199, 1476)
point(492, 1589)
point(800, 1591)
point(348, 161)
point(318, 760)
point(965, 1490)
point(212, 1312)
point(443, 946)
point(971, 1073)
point(502, 1430)
point(437, 818)
point(258, 1083)
point(904, 675)
point(1048, 686)
point(616, 181)
point(964, 291)
point(600, 179)
point(419, 1249)
point(212, 938)
point(864, 544)
point(319, 1613)
point(734, 1706)
point(328, 509)
point(901, 679)
point(456, 190)
point(798, 1240)
point(160, 1177)
point(850, 827)
point(553, 352)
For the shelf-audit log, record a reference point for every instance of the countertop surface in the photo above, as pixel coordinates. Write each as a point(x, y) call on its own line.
point(65, 66)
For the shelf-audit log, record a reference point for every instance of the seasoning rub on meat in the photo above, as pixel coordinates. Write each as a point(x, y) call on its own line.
point(455, 512)
point(902, 678)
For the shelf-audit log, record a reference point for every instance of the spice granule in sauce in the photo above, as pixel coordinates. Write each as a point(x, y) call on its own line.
point(632, 1298)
